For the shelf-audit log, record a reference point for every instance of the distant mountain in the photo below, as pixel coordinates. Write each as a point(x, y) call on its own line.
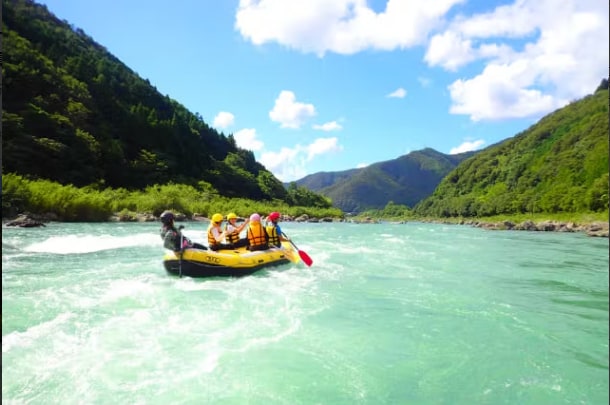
point(320, 180)
point(405, 180)
point(560, 164)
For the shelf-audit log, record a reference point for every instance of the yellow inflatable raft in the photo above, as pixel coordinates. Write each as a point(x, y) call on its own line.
point(227, 263)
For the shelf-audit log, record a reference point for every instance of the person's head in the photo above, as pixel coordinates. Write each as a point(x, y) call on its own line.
point(232, 216)
point(167, 218)
point(255, 218)
point(217, 219)
point(274, 216)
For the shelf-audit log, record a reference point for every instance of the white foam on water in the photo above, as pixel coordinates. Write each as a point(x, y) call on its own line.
point(33, 333)
point(126, 288)
point(91, 243)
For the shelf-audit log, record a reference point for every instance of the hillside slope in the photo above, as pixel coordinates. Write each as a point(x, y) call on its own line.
point(560, 164)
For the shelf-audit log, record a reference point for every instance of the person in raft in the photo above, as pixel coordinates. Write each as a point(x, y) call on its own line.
point(232, 231)
point(257, 236)
point(276, 236)
point(172, 237)
point(216, 235)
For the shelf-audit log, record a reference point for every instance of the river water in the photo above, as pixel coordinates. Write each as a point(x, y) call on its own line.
point(387, 314)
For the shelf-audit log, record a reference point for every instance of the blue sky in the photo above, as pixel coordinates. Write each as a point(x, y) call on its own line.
point(319, 85)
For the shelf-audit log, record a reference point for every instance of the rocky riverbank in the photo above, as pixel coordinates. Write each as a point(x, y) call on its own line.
point(594, 229)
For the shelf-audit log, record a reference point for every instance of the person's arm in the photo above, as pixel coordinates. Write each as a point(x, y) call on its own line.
point(218, 236)
point(278, 229)
point(242, 226)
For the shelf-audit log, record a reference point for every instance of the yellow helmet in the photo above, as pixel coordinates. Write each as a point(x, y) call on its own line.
point(217, 218)
point(231, 215)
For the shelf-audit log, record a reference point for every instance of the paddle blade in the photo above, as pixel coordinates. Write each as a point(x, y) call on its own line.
point(305, 257)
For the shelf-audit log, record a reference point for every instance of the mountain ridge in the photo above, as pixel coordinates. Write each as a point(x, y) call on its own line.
point(404, 180)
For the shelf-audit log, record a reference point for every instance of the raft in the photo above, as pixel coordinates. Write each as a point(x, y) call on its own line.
point(227, 263)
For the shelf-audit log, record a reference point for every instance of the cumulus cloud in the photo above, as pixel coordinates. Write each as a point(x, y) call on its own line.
point(223, 120)
point(450, 51)
point(361, 165)
point(339, 26)
point(538, 57)
point(467, 146)
point(246, 139)
point(289, 164)
point(323, 146)
point(398, 93)
point(500, 92)
point(525, 58)
point(328, 126)
point(289, 112)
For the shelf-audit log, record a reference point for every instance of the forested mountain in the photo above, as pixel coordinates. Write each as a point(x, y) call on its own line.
point(75, 114)
point(405, 180)
point(320, 180)
point(560, 164)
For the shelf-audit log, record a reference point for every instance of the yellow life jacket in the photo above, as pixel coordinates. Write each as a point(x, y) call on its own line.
point(232, 237)
point(257, 237)
point(274, 238)
point(211, 240)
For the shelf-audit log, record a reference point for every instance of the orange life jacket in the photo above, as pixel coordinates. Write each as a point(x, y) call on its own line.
point(257, 236)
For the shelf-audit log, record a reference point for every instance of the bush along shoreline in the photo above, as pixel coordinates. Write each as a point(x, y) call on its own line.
point(593, 228)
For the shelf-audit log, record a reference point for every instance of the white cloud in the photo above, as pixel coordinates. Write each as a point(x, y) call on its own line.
point(287, 164)
point(290, 113)
point(398, 93)
point(328, 126)
point(246, 139)
point(533, 55)
point(501, 92)
point(339, 26)
point(322, 146)
point(361, 165)
point(449, 50)
point(540, 57)
point(290, 164)
point(467, 146)
point(223, 120)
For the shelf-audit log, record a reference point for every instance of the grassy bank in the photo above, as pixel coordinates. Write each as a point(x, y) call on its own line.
point(67, 203)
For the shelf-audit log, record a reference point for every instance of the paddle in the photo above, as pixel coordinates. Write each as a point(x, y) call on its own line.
point(304, 256)
point(180, 228)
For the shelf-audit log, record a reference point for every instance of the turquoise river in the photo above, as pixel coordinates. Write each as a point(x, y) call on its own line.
point(387, 314)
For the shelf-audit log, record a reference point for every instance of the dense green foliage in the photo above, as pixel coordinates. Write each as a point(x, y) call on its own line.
point(558, 165)
point(69, 203)
point(391, 212)
point(74, 114)
point(405, 180)
point(318, 181)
